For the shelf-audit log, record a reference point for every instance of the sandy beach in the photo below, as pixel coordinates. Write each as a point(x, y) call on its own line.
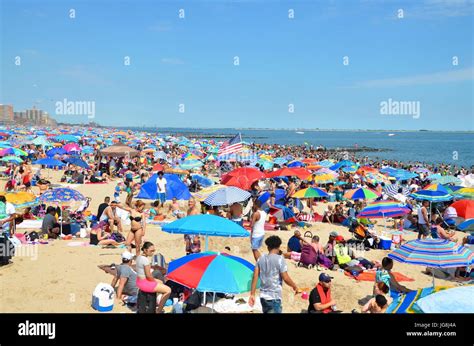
point(61, 278)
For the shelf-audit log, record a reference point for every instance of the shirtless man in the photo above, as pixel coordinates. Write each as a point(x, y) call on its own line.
point(192, 207)
point(174, 208)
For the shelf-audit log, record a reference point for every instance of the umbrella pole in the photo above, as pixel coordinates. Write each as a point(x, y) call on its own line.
point(204, 300)
point(213, 300)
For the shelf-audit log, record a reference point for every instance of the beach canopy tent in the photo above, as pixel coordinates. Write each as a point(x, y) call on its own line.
point(119, 150)
point(175, 188)
point(206, 225)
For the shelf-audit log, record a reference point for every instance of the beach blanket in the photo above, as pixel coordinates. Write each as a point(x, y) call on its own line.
point(30, 224)
point(370, 276)
point(452, 300)
point(405, 303)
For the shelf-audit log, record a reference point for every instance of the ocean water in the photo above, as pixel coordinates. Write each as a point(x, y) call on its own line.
point(455, 148)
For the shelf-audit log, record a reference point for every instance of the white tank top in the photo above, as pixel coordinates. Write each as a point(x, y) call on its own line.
point(421, 219)
point(259, 226)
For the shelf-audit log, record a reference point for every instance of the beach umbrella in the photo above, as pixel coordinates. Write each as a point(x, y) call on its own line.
point(72, 147)
point(61, 195)
point(242, 177)
point(56, 151)
point(466, 225)
point(49, 162)
point(437, 187)
point(376, 178)
point(301, 173)
point(392, 190)
point(190, 164)
point(432, 195)
point(206, 225)
point(361, 193)
point(448, 179)
point(464, 208)
point(436, 253)
point(324, 178)
point(350, 169)
point(367, 169)
point(325, 170)
point(295, 164)
point(421, 170)
point(202, 180)
point(212, 272)
point(77, 162)
point(158, 168)
point(12, 159)
point(406, 303)
point(66, 138)
point(310, 192)
point(227, 196)
point(13, 151)
point(403, 174)
point(465, 192)
point(42, 141)
point(326, 163)
point(383, 209)
point(451, 300)
point(433, 176)
point(204, 193)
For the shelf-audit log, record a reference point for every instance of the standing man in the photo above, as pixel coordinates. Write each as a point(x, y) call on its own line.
point(423, 221)
point(271, 269)
point(257, 224)
point(161, 185)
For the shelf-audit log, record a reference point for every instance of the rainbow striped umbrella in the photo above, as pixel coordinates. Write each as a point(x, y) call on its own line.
point(383, 209)
point(310, 192)
point(212, 272)
point(465, 192)
point(438, 253)
point(361, 193)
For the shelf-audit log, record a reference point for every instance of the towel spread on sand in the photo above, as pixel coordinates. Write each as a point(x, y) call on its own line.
point(370, 276)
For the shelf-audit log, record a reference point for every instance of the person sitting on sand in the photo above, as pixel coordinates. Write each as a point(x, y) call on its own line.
point(145, 280)
point(137, 224)
point(110, 216)
point(384, 274)
point(376, 305)
point(443, 233)
point(192, 207)
point(294, 243)
point(328, 215)
point(126, 277)
point(343, 256)
point(50, 225)
point(98, 236)
point(192, 243)
point(329, 248)
point(175, 210)
point(235, 213)
point(320, 300)
point(28, 215)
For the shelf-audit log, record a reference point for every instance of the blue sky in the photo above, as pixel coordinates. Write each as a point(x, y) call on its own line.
point(283, 61)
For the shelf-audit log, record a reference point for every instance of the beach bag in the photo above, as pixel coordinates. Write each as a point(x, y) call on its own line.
point(309, 257)
point(119, 238)
point(325, 261)
point(32, 236)
point(103, 297)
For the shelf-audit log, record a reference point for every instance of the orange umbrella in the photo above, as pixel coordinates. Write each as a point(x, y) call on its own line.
point(464, 208)
point(367, 169)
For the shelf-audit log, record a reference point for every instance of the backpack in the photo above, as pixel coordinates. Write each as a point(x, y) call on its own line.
point(309, 256)
point(32, 236)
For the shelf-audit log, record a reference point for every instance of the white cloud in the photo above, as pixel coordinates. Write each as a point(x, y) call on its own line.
point(457, 75)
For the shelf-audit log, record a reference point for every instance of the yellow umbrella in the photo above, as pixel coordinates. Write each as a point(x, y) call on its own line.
point(324, 178)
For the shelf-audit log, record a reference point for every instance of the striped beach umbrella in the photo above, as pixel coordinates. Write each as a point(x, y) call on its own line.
point(361, 193)
point(383, 209)
point(432, 195)
point(212, 272)
point(11, 159)
point(226, 196)
point(13, 151)
point(465, 192)
point(201, 195)
point(437, 253)
point(310, 192)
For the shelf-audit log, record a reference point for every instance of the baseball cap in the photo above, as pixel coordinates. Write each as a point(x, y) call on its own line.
point(323, 277)
point(127, 255)
point(333, 234)
point(339, 238)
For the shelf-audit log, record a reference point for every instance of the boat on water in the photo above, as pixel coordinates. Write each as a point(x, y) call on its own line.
point(300, 132)
point(391, 134)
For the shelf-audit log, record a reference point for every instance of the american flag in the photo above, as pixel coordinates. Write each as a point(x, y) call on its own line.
point(232, 146)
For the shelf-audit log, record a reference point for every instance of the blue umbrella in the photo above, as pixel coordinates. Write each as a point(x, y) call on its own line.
point(66, 138)
point(77, 162)
point(295, 164)
point(206, 225)
point(226, 196)
point(432, 195)
point(49, 162)
point(56, 151)
point(202, 180)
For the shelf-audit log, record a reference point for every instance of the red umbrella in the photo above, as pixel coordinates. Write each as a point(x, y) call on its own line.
point(158, 168)
point(301, 173)
point(242, 177)
point(464, 208)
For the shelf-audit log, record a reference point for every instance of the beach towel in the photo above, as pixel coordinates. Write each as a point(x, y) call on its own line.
point(405, 303)
point(370, 276)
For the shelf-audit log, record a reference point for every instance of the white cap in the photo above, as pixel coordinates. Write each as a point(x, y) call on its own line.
point(127, 255)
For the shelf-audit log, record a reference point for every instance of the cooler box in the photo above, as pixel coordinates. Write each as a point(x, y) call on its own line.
point(103, 297)
point(385, 243)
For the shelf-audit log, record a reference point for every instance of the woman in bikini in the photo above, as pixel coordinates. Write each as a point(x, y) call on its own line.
point(137, 224)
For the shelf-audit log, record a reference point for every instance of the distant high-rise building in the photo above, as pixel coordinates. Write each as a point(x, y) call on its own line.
point(6, 113)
